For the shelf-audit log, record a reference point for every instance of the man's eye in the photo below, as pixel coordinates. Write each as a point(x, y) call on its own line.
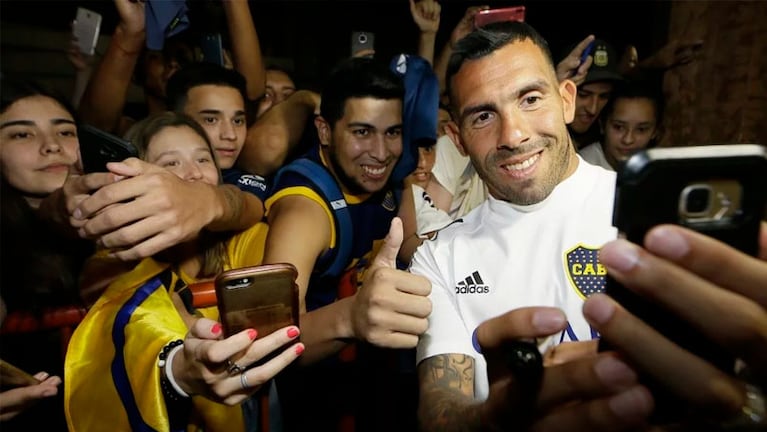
point(209, 120)
point(482, 118)
point(531, 100)
point(361, 132)
point(238, 121)
point(170, 164)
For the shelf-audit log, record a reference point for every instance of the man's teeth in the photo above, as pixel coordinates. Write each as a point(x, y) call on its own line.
point(374, 171)
point(524, 164)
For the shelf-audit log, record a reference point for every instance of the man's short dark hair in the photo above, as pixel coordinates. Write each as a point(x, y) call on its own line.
point(486, 40)
point(358, 78)
point(198, 74)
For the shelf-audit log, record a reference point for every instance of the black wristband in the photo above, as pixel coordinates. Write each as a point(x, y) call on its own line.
point(179, 408)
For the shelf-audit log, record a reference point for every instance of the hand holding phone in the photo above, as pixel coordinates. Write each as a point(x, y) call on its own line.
point(716, 190)
point(12, 376)
point(86, 29)
point(97, 148)
point(363, 42)
point(212, 49)
point(586, 53)
point(488, 16)
point(263, 297)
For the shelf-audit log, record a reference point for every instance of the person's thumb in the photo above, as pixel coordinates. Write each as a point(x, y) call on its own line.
point(387, 255)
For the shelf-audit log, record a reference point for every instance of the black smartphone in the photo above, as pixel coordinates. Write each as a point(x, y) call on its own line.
point(97, 148)
point(212, 49)
point(263, 297)
point(362, 41)
point(718, 190)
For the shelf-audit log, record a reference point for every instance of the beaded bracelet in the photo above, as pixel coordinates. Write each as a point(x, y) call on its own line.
point(165, 362)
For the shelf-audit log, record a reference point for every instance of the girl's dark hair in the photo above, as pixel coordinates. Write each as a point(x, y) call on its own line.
point(140, 135)
point(40, 267)
point(12, 90)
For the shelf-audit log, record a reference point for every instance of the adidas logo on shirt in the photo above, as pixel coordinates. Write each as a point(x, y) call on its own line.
point(473, 284)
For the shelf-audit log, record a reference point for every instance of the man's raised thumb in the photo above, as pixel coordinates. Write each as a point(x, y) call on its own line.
point(387, 255)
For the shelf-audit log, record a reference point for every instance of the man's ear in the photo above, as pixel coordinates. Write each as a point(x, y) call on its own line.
point(568, 91)
point(454, 133)
point(323, 130)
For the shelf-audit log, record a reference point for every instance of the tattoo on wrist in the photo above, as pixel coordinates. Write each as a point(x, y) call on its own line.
point(233, 203)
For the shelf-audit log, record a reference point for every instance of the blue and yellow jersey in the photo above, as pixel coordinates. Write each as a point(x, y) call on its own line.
point(371, 216)
point(111, 372)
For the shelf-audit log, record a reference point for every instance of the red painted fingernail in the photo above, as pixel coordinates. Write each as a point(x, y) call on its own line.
point(216, 329)
point(292, 332)
point(299, 349)
point(252, 334)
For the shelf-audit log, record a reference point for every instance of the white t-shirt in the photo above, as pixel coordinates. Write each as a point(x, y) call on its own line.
point(503, 257)
point(595, 155)
point(428, 217)
point(457, 175)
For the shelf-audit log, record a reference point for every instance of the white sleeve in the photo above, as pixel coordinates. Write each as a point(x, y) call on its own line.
point(449, 164)
point(428, 218)
point(447, 333)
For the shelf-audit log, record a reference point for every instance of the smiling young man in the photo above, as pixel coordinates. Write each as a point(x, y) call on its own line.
point(594, 93)
point(360, 131)
point(215, 97)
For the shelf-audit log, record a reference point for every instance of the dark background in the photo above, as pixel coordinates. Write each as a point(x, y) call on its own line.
point(310, 36)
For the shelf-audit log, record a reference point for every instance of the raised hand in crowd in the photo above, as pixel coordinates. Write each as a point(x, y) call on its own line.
point(464, 27)
point(426, 15)
point(104, 98)
point(571, 68)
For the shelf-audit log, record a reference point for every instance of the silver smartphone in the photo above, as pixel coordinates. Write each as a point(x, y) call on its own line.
point(86, 29)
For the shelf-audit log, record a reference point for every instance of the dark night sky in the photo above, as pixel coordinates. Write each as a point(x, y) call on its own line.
point(316, 33)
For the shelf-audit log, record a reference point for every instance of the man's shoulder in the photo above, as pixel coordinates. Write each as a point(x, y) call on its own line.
point(467, 225)
point(247, 182)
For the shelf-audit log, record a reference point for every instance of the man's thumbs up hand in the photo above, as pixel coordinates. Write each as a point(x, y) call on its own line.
point(391, 308)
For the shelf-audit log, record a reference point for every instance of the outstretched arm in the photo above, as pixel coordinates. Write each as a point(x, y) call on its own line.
point(596, 393)
point(426, 14)
point(273, 136)
point(104, 99)
point(464, 27)
point(151, 210)
point(246, 48)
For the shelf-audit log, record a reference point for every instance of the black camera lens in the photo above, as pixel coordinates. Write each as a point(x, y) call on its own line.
point(362, 38)
point(698, 200)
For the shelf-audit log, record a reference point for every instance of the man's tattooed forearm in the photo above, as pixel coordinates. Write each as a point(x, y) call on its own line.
point(447, 394)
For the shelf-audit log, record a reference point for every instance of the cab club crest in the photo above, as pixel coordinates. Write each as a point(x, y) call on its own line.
point(586, 274)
